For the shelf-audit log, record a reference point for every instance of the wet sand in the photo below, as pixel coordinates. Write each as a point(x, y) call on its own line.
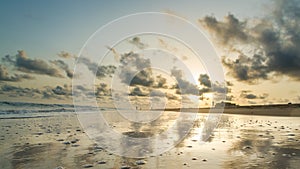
point(239, 141)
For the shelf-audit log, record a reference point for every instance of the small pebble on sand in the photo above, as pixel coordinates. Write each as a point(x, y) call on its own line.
point(101, 162)
point(140, 162)
point(73, 141)
point(88, 166)
point(66, 143)
point(75, 145)
point(247, 147)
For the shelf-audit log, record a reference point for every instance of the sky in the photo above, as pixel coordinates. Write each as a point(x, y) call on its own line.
point(256, 43)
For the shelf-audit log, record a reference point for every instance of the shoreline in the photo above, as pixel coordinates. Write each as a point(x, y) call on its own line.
point(246, 110)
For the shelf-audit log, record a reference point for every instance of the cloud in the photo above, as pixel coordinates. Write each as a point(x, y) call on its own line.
point(161, 82)
point(135, 70)
point(144, 78)
point(228, 83)
point(250, 96)
point(183, 86)
point(229, 97)
point(61, 64)
point(38, 66)
point(58, 92)
point(100, 71)
point(66, 55)
point(21, 62)
point(136, 91)
point(4, 76)
point(252, 102)
point(171, 96)
point(135, 60)
point(247, 69)
point(264, 96)
point(245, 94)
point(157, 93)
point(8, 59)
point(46, 92)
point(115, 53)
point(272, 43)
point(103, 90)
point(14, 91)
point(230, 31)
point(137, 42)
point(209, 87)
point(204, 80)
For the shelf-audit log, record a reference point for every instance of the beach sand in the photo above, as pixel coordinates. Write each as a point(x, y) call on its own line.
point(239, 141)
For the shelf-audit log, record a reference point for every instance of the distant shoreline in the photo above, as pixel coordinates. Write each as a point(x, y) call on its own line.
point(288, 110)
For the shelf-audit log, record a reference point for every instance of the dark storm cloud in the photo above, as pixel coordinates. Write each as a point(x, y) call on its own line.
point(38, 66)
point(4, 75)
point(100, 71)
point(274, 42)
point(137, 42)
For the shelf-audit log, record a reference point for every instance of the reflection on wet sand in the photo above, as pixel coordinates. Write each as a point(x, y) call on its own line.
point(239, 141)
point(259, 144)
